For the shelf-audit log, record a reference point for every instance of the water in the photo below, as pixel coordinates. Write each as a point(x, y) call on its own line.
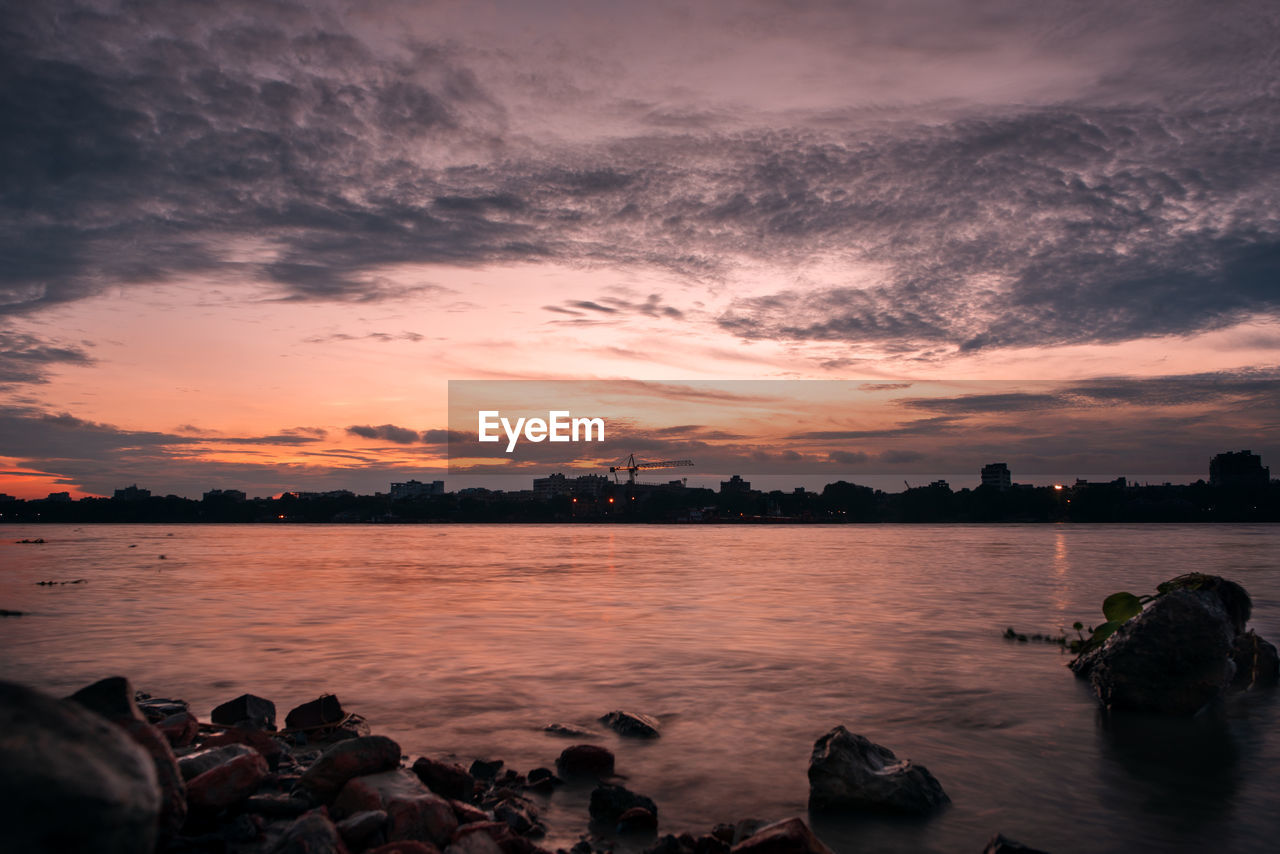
point(748, 643)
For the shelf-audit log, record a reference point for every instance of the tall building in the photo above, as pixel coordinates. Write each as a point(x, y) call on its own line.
point(735, 484)
point(131, 493)
point(1238, 468)
point(997, 475)
point(411, 489)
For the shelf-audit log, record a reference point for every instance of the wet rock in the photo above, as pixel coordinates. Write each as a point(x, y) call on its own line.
point(5, 612)
point(745, 827)
point(362, 829)
point(71, 781)
point(585, 760)
point(495, 830)
point(467, 813)
point(445, 779)
point(1001, 844)
point(1256, 661)
point(710, 844)
point(608, 803)
point(413, 812)
point(270, 748)
point(246, 712)
point(179, 730)
point(194, 764)
point(323, 711)
point(157, 709)
point(848, 772)
point(567, 730)
point(227, 784)
point(791, 836)
point(542, 781)
point(483, 770)
point(631, 724)
point(637, 820)
point(410, 846)
point(519, 815)
point(670, 844)
point(276, 805)
point(312, 833)
point(114, 699)
point(369, 754)
point(723, 832)
point(1174, 658)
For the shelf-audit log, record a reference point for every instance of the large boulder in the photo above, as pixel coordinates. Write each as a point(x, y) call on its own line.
point(848, 772)
point(353, 758)
point(445, 779)
point(248, 711)
point(114, 699)
point(227, 784)
point(608, 803)
point(1182, 652)
point(791, 836)
point(71, 781)
point(585, 760)
point(312, 833)
point(323, 711)
point(413, 812)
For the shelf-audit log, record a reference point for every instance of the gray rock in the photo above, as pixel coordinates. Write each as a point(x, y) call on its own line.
point(631, 724)
point(194, 764)
point(608, 803)
point(445, 779)
point(247, 711)
point(1256, 661)
point(71, 781)
point(1000, 844)
point(848, 772)
point(323, 711)
point(363, 829)
point(354, 758)
point(312, 833)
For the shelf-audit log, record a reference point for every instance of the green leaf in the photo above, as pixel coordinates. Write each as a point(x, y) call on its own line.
point(1102, 632)
point(1077, 625)
point(1119, 607)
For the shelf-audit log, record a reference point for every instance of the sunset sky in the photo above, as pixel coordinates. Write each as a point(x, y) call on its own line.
point(247, 244)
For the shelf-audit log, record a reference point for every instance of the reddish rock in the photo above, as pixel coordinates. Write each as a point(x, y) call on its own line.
point(467, 813)
point(637, 820)
point(180, 729)
point(631, 724)
point(363, 829)
point(791, 836)
point(413, 812)
point(585, 760)
point(356, 757)
point(194, 764)
point(270, 749)
point(408, 846)
point(474, 843)
point(313, 833)
point(445, 779)
point(227, 784)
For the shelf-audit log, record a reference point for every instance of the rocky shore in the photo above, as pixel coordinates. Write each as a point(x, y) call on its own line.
point(116, 771)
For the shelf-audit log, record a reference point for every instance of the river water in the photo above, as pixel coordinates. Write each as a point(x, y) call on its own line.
point(747, 642)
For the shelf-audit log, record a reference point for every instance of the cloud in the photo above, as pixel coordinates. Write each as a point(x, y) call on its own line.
point(387, 433)
point(380, 337)
point(25, 358)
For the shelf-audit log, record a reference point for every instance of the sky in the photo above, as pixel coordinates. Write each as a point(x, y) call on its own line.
point(248, 244)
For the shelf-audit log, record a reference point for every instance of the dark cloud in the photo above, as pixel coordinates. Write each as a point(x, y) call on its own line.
point(380, 337)
point(387, 433)
point(25, 358)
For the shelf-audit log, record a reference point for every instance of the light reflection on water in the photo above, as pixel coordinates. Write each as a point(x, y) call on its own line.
point(748, 643)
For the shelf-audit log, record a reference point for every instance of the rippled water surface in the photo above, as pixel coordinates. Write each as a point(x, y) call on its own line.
point(747, 642)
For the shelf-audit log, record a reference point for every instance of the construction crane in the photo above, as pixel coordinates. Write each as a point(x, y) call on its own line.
point(631, 466)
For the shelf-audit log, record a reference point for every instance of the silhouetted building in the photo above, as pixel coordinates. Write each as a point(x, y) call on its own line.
point(227, 495)
point(131, 493)
point(6, 497)
point(997, 475)
point(411, 489)
point(1238, 468)
point(735, 484)
point(59, 497)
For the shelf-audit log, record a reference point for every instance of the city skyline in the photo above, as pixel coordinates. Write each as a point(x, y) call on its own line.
point(249, 245)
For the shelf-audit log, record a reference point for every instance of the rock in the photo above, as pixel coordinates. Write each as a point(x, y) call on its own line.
point(157, 709)
point(368, 754)
point(631, 724)
point(745, 827)
point(473, 843)
point(723, 832)
point(791, 836)
point(71, 781)
point(482, 770)
point(247, 712)
point(445, 779)
point(542, 781)
point(710, 844)
point(194, 764)
point(413, 812)
point(1000, 844)
point(323, 711)
point(227, 784)
point(1256, 661)
point(608, 803)
point(270, 748)
point(363, 829)
point(410, 846)
point(313, 833)
point(1233, 598)
point(520, 816)
point(276, 805)
point(180, 730)
point(114, 699)
point(847, 772)
point(1173, 658)
point(585, 760)
point(467, 813)
point(567, 730)
point(637, 820)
